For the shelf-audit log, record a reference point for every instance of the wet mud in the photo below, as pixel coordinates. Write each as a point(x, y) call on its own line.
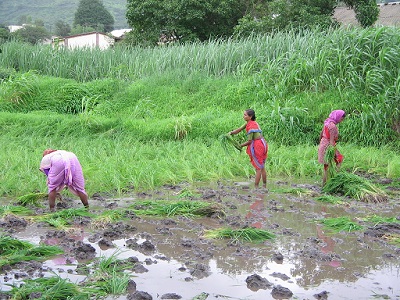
point(172, 259)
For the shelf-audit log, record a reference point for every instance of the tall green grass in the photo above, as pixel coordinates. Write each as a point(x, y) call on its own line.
point(145, 117)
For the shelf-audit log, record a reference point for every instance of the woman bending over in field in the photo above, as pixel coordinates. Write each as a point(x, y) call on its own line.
point(329, 136)
point(63, 169)
point(257, 147)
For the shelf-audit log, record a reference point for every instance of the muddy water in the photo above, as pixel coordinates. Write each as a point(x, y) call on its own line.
point(304, 257)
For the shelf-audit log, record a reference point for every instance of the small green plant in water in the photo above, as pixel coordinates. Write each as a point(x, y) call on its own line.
point(341, 224)
point(329, 199)
point(13, 210)
point(248, 234)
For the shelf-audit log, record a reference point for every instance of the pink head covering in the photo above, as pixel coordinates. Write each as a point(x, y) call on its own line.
point(335, 116)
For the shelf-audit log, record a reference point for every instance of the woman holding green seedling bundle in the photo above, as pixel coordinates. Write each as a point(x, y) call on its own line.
point(328, 137)
point(63, 169)
point(257, 147)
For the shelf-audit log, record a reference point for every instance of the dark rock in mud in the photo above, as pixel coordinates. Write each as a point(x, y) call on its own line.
point(282, 276)
point(85, 251)
point(35, 295)
point(171, 296)
point(278, 258)
point(200, 271)
point(131, 287)
point(382, 229)
point(105, 243)
point(164, 230)
point(118, 230)
point(139, 268)
point(280, 292)
point(255, 282)
point(4, 296)
point(139, 295)
point(13, 222)
point(321, 296)
point(147, 246)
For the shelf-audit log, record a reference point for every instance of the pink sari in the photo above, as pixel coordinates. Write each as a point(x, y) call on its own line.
point(258, 149)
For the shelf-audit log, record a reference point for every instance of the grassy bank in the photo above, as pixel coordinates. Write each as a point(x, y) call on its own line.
point(142, 118)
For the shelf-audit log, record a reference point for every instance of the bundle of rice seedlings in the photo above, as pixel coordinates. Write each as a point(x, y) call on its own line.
point(330, 159)
point(341, 224)
point(183, 208)
point(329, 199)
point(108, 217)
point(248, 234)
point(32, 199)
point(49, 288)
point(10, 245)
point(379, 220)
point(355, 187)
point(14, 210)
point(227, 140)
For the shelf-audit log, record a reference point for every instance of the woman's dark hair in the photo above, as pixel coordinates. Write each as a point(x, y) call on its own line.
point(251, 114)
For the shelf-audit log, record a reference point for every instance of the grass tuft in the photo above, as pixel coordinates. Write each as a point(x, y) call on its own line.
point(31, 199)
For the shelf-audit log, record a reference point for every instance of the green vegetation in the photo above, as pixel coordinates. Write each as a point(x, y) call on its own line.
point(31, 199)
point(248, 234)
point(14, 251)
point(145, 117)
point(378, 219)
point(329, 199)
point(179, 208)
point(13, 210)
point(355, 187)
point(49, 288)
point(228, 141)
point(341, 224)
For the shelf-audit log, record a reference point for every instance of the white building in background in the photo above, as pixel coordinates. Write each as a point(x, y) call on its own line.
point(85, 40)
point(13, 28)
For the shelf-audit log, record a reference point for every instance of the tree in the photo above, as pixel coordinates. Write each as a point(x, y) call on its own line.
point(92, 13)
point(186, 20)
point(4, 33)
point(367, 11)
point(62, 28)
point(284, 14)
point(31, 34)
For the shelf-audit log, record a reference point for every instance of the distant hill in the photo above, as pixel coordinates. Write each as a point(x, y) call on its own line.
point(51, 11)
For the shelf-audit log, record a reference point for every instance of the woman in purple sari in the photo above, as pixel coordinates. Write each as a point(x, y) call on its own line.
point(63, 169)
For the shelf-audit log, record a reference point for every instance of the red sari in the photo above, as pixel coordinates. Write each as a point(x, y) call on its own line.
point(258, 149)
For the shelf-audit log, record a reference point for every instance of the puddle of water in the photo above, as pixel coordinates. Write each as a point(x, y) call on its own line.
point(359, 271)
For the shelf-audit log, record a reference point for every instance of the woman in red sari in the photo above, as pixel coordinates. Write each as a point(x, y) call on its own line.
point(257, 147)
point(329, 136)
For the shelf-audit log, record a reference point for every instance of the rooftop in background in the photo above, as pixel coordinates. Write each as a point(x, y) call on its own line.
point(389, 15)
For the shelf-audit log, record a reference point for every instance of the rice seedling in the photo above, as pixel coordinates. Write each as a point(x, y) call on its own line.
point(355, 187)
point(49, 288)
point(378, 219)
point(248, 234)
point(107, 217)
point(182, 208)
point(330, 159)
point(32, 199)
point(329, 199)
point(341, 224)
point(9, 245)
point(13, 251)
point(13, 210)
point(295, 191)
point(227, 141)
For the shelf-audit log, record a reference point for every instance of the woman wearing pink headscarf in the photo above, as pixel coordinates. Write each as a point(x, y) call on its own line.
point(63, 169)
point(329, 136)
